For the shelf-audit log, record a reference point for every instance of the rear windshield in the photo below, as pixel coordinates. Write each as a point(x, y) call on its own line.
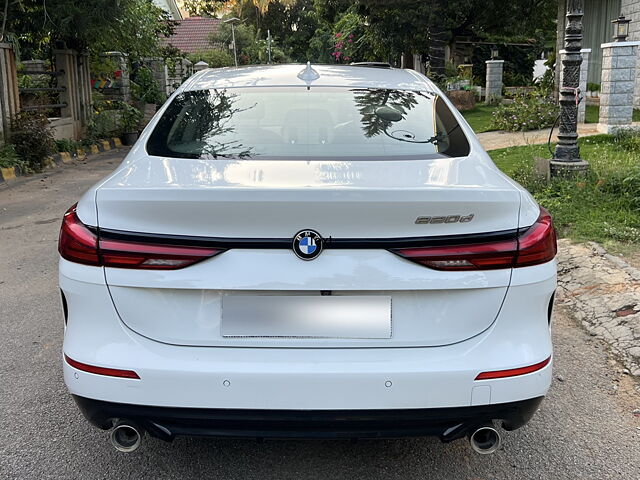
point(310, 123)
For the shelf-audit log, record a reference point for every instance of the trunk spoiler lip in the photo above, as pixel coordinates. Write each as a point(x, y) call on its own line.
point(228, 243)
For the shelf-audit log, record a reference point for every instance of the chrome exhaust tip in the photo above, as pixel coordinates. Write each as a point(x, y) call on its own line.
point(126, 437)
point(485, 440)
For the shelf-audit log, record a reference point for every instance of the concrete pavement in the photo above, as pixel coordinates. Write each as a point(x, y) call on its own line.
point(495, 140)
point(584, 430)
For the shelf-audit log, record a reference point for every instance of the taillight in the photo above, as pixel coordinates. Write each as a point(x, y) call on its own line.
point(80, 245)
point(77, 243)
point(534, 246)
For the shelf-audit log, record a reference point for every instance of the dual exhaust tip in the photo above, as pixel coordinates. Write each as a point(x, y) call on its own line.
point(126, 437)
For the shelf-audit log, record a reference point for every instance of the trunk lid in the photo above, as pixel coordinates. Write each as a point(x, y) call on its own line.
point(253, 199)
point(267, 199)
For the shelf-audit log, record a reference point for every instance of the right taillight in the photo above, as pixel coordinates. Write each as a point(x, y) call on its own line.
point(533, 246)
point(537, 244)
point(80, 245)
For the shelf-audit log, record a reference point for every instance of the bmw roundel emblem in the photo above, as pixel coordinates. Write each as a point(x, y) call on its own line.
point(307, 244)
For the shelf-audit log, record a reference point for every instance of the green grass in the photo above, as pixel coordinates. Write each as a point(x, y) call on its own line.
point(603, 206)
point(480, 118)
point(593, 112)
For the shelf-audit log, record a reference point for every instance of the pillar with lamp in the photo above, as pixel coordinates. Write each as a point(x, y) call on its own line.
point(620, 28)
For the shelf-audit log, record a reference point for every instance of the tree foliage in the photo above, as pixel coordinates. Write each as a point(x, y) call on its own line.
point(130, 26)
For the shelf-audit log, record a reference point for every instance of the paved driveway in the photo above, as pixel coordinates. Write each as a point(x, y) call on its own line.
point(584, 430)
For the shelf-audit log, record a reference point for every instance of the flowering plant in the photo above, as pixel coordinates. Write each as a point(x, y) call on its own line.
point(343, 48)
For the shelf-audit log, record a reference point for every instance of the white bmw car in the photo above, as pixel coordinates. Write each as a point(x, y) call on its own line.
point(319, 251)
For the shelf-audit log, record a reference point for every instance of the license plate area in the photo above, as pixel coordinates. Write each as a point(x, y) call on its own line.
point(364, 317)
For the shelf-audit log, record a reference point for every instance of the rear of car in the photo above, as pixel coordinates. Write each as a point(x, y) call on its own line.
point(307, 252)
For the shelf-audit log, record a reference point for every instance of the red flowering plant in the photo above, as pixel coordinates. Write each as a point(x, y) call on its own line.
point(343, 48)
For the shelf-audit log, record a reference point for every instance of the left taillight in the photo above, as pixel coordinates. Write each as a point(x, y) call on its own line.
point(79, 244)
point(534, 246)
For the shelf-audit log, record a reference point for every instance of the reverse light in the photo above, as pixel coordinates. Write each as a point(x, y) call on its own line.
point(533, 246)
point(109, 372)
point(80, 245)
point(513, 372)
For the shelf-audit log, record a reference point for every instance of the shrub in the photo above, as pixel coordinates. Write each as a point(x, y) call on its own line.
point(67, 145)
point(593, 87)
point(216, 58)
point(530, 111)
point(145, 88)
point(32, 139)
point(131, 118)
point(9, 158)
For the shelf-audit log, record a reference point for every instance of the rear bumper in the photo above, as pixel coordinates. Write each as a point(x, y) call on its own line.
point(446, 423)
point(331, 379)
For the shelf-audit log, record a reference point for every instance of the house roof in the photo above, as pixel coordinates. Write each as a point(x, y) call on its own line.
point(192, 34)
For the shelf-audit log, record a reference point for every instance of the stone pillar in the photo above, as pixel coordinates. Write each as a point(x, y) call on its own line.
point(584, 69)
point(618, 85)
point(495, 69)
point(122, 88)
point(201, 65)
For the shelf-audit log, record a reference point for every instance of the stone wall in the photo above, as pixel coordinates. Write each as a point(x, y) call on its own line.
point(631, 10)
point(617, 90)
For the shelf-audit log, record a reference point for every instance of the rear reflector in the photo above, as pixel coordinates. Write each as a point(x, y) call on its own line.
point(109, 372)
point(514, 372)
point(80, 245)
point(533, 246)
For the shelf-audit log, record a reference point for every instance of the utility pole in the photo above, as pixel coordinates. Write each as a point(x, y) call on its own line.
point(233, 21)
point(566, 158)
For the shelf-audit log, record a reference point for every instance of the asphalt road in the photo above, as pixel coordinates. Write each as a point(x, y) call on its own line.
point(585, 429)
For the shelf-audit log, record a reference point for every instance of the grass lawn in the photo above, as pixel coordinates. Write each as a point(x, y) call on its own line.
point(480, 118)
point(603, 206)
point(593, 112)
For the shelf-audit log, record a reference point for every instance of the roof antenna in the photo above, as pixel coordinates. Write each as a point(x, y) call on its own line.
point(308, 74)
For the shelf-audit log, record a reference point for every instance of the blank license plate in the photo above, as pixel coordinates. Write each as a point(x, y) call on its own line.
point(306, 316)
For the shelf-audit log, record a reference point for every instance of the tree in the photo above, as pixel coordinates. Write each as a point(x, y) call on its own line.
point(131, 26)
point(424, 26)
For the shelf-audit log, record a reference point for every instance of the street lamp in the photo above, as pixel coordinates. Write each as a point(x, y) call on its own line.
point(566, 158)
point(494, 52)
point(620, 28)
point(233, 21)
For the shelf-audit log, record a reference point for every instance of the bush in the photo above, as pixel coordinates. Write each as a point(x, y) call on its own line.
point(530, 111)
point(216, 58)
point(145, 88)
point(32, 139)
point(9, 158)
point(67, 145)
point(131, 118)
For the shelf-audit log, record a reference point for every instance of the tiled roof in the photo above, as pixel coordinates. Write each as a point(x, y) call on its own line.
point(192, 34)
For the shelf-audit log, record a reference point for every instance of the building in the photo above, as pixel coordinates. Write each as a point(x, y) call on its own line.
point(598, 29)
point(171, 7)
point(192, 34)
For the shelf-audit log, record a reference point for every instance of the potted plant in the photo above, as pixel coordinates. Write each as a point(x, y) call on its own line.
point(130, 122)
